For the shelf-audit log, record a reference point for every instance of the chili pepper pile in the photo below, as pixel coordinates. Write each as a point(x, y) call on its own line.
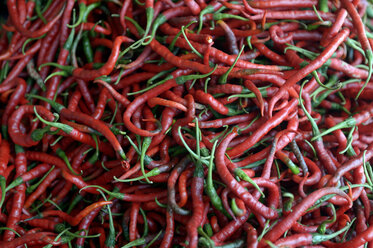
point(186, 123)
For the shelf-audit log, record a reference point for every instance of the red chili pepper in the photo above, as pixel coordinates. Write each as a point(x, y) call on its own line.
point(75, 220)
point(143, 98)
point(42, 237)
point(315, 64)
point(89, 121)
point(42, 187)
point(244, 195)
point(214, 53)
point(147, 100)
point(12, 8)
point(298, 211)
point(19, 198)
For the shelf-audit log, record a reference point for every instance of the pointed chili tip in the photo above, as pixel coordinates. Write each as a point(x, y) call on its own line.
point(271, 106)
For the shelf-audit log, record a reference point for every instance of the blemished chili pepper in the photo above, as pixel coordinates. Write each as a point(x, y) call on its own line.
point(285, 159)
point(232, 41)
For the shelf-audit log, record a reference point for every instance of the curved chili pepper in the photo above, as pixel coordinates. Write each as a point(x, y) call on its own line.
point(145, 98)
point(87, 120)
point(12, 8)
point(315, 64)
point(19, 198)
point(87, 75)
point(233, 184)
point(308, 239)
point(77, 218)
point(171, 187)
point(43, 237)
point(14, 121)
point(298, 211)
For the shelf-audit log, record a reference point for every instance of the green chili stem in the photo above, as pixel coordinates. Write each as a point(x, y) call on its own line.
point(223, 79)
point(349, 122)
point(210, 190)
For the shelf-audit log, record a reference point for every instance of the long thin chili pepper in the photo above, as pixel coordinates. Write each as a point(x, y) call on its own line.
point(233, 184)
point(87, 120)
point(315, 64)
point(189, 123)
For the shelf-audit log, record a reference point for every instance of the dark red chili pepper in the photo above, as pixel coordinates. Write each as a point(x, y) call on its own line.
point(150, 97)
point(43, 237)
point(315, 64)
point(298, 211)
point(42, 187)
point(196, 219)
point(19, 198)
point(14, 121)
point(12, 8)
point(75, 220)
point(171, 187)
point(86, 74)
point(215, 53)
point(233, 184)
point(89, 121)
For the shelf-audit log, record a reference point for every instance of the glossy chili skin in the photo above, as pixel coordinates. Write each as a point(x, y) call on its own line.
point(192, 123)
